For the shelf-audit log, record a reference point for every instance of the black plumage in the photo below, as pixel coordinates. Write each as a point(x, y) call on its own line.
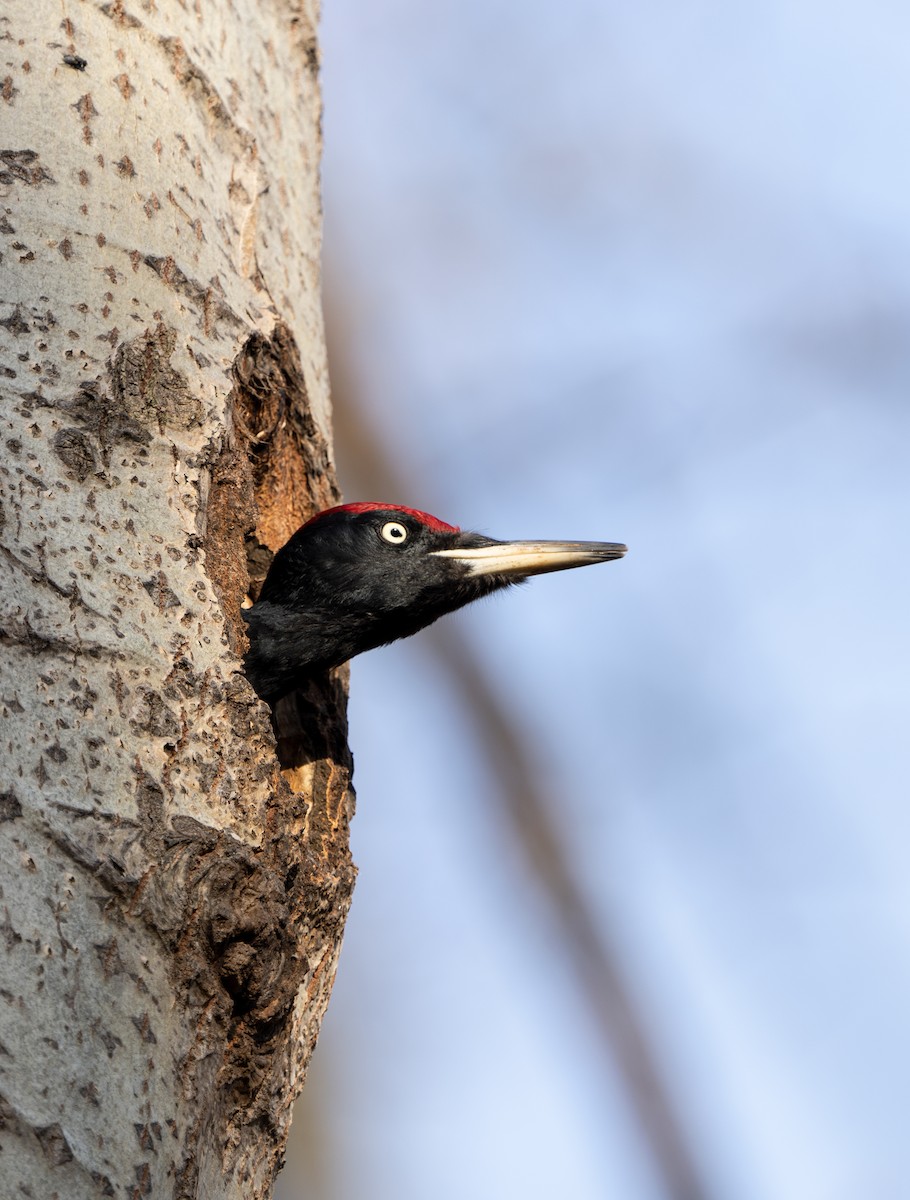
point(362, 575)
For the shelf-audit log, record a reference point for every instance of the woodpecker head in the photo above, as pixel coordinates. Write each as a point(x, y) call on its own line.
point(361, 575)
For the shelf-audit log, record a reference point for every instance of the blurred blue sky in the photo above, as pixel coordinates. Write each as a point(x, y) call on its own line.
point(636, 273)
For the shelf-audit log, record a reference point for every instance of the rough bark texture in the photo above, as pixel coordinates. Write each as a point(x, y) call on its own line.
point(172, 900)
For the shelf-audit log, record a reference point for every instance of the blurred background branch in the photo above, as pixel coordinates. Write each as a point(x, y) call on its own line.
point(528, 814)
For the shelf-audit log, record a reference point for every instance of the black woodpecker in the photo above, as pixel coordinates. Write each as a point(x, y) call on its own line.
point(362, 575)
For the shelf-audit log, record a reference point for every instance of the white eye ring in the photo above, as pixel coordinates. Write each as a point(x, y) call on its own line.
point(394, 532)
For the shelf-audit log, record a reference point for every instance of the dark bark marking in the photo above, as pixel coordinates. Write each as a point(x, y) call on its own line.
point(20, 632)
point(182, 681)
point(85, 107)
point(161, 592)
point(14, 323)
point(23, 167)
point(146, 1134)
point(152, 715)
point(57, 1149)
point(10, 806)
point(109, 1041)
point(118, 13)
point(77, 451)
point(95, 409)
point(148, 389)
point(203, 296)
point(149, 796)
point(139, 392)
point(109, 957)
point(143, 1181)
point(144, 1026)
point(11, 935)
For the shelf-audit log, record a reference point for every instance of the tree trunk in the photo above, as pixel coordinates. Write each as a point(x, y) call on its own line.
point(173, 900)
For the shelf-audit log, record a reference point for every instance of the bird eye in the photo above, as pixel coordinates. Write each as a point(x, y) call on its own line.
point(394, 532)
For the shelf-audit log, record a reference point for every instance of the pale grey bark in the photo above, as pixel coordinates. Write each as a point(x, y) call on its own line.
point(172, 903)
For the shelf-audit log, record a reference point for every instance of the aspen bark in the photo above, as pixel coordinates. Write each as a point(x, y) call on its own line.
point(175, 866)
